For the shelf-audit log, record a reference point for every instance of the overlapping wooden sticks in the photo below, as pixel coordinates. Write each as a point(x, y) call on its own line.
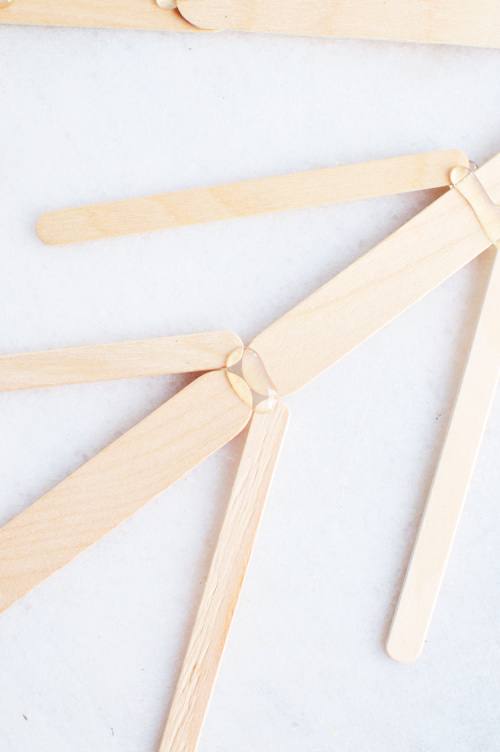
point(454, 470)
point(446, 21)
point(246, 385)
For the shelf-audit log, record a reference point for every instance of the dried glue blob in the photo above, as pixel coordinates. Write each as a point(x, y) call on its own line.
point(256, 376)
point(248, 377)
point(167, 4)
point(5, 3)
point(473, 191)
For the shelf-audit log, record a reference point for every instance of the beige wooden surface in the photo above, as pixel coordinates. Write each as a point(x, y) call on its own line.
point(117, 482)
point(446, 21)
point(122, 360)
point(375, 289)
point(225, 579)
point(123, 14)
point(265, 195)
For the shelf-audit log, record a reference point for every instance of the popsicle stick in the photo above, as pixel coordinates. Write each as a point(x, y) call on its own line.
point(459, 454)
point(117, 482)
point(265, 195)
point(451, 483)
point(375, 289)
point(122, 360)
point(225, 580)
point(125, 14)
point(446, 21)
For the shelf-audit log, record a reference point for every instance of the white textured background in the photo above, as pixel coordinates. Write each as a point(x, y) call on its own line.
point(89, 660)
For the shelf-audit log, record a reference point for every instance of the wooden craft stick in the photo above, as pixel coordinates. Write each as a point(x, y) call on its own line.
point(117, 482)
point(122, 360)
point(327, 325)
point(125, 14)
point(225, 580)
point(451, 483)
point(265, 195)
point(445, 21)
point(458, 457)
point(375, 289)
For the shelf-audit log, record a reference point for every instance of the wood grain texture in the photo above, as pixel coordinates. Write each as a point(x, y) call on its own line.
point(120, 14)
point(451, 482)
point(122, 360)
point(430, 21)
point(282, 193)
point(375, 289)
point(225, 580)
point(117, 482)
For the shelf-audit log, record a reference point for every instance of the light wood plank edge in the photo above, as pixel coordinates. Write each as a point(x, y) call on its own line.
point(116, 483)
point(426, 21)
point(122, 360)
point(126, 14)
point(247, 198)
point(450, 486)
point(375, 289)
point(225, 580)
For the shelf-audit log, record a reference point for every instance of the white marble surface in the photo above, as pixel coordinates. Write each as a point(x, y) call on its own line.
point(88, 661)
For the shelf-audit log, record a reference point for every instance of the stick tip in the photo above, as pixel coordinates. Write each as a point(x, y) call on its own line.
point(402, 649)
point(44, 229)
point(197, 13)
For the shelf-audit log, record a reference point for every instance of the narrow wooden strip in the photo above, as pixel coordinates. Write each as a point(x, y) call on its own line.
point(451, 483)
point(265, 195)
point(117, 482)
point(122, 360)
point(375, 289)
point(445, 21)
point(120, 14)
point(225, 580)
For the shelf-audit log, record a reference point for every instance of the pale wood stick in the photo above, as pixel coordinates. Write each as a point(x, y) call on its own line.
point(122, 360)
point(265, 195)
point(125, 14)
point(445, 21)
point(375, 289)
point(117, 482)
point(451, 483)
point(454, 471)
point(225, 580)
